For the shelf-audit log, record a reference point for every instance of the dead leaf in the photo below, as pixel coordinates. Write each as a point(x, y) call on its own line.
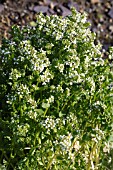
point(95, 1)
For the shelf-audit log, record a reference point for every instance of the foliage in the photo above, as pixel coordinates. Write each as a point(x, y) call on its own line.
point(56, 96)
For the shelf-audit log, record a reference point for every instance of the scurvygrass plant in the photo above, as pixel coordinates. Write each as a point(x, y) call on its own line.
point(56, 96)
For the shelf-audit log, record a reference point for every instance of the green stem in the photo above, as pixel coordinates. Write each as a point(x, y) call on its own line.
point(46, 111)
point(50, 162)
point(66, 102)
point(1, 156)
point(9, 161)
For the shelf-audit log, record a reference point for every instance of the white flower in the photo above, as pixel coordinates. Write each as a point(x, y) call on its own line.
point(76, 145)
point(67, 91)
point(51, 99)
point(59, 88)
point(49, 123)
point(61, 67)
point(106, 148)
point(46, 76)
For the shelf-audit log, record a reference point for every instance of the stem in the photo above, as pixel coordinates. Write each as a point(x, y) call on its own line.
point(93, 156)
point(50, 162)
point(67, 101)
point(97, 157)
point(58, 106)
point(9, 161)
point(46, 111)
point(89, 163)
point(1, 156)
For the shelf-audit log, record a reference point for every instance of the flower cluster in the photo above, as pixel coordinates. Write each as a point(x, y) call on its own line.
point(66, 142)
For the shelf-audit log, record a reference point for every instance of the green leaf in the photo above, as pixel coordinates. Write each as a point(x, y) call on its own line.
point(59, 157)
point(40, 111)
point(60, 114)
point(33, 24)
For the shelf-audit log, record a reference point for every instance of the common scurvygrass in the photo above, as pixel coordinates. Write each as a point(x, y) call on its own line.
point(56, 96)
